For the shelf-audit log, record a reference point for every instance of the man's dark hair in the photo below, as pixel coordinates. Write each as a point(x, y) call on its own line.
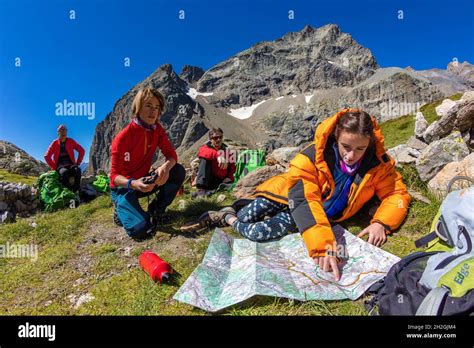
point(214, 131)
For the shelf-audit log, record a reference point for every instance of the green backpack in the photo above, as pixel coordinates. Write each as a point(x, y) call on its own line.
point(53, 195)
point(248, 161)
point(101, 183)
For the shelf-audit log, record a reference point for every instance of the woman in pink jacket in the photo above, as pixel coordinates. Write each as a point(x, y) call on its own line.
point(60, 157)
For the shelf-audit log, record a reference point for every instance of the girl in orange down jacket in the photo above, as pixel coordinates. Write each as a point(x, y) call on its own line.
point(327, 182)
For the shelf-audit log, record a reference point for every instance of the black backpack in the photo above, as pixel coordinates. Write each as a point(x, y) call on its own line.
point(400, 292)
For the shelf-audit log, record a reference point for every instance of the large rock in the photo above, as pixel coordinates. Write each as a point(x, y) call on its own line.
point(282, 156)
point(246, 186)
point(459, 117)
point(438, 185)
point(420, 124)
point(416, 144)
point(469, 95)
point(439, 153)
point(403, 154)
point(444, 107)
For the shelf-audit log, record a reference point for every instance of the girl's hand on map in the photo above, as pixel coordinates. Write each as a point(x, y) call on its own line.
point(328, 263)
point(376, 233)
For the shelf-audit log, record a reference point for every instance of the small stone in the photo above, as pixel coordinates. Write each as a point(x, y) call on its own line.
point(182, 204)
point(83, 299)
point(7, 216)
point(221, 198)
point(418, 196)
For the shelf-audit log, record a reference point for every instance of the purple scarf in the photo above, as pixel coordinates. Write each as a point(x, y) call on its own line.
point(349, 170)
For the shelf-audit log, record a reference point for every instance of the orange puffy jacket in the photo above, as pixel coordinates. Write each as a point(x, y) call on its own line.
point(309, 182)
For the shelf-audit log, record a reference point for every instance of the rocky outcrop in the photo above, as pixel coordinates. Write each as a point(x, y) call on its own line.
point(444, 107)
point(416, 144)
point(420, 125)
point(15, 160)
point(439, 153)
point(191, 74)
point(17, 199)
point(459, 116)
point(282, 156)
point(439, 184)
point(246, 186)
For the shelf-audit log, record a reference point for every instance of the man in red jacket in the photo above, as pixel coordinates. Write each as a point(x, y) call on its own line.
point(215, 164)
point(133, 149)
point(60, 157)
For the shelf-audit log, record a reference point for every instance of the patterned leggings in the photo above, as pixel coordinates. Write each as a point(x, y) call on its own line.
point(251, 225)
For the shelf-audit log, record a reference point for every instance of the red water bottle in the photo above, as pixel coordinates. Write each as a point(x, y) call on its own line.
point(158, 269)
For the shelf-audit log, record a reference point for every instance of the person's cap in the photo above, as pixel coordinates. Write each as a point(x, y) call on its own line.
point(62, 128)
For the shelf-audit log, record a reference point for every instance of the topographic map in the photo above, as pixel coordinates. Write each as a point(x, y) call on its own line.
point(234, 270)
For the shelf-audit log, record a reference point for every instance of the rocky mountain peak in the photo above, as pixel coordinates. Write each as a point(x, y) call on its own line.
point(191, 74)
point(298, 62)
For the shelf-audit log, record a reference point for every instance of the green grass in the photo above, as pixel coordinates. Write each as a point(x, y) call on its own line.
point(12, 177)
point(399, 130)
point(82, 252)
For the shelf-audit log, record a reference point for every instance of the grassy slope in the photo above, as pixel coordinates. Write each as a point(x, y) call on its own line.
point(18, 178)
point(399, 130)
point(81, 251)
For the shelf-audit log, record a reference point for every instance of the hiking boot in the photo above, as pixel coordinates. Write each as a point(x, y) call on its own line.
point(117, 220)
point(209, 219)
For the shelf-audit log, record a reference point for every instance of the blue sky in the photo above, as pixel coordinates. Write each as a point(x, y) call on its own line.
point(82, 60)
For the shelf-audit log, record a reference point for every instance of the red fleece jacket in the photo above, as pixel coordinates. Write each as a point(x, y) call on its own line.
point(207, 152)
point(133, 149)
point(55, 147)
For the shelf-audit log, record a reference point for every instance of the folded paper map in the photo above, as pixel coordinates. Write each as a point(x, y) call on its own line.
point(234, 270)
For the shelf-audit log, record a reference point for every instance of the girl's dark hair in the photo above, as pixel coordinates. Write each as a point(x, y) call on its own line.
point(358, 122)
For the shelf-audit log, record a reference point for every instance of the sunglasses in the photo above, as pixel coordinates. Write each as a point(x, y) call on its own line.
point(217, 137)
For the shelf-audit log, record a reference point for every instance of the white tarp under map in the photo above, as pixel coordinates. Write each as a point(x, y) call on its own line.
point(234, 270)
